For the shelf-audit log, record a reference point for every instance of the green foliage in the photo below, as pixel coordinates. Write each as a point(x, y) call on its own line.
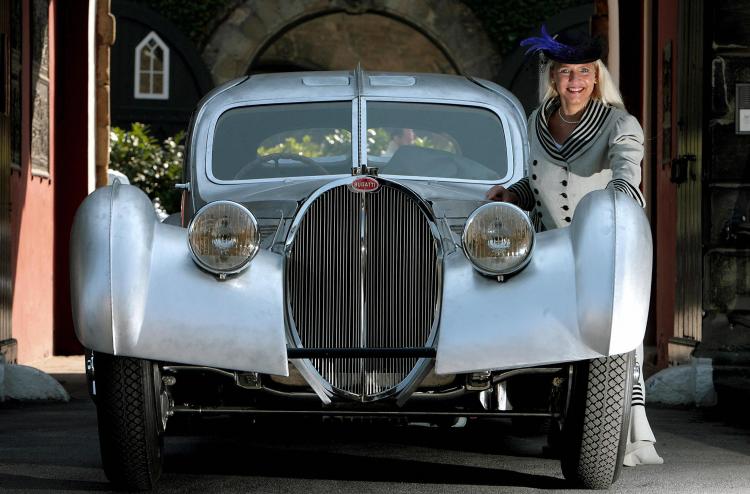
point(339, 142)
point(149, 164)
point(310, 144)
point(508, 21)
point(379, 138)
point(195, 19)
point(377, 141)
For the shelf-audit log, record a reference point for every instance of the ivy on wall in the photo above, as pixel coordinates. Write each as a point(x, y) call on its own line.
point(505, 21)
point(196, 19)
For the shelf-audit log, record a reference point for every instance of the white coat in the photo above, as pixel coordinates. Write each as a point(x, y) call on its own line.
point(604, 150)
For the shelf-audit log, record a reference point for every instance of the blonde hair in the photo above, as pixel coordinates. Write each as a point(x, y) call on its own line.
point(605, 89)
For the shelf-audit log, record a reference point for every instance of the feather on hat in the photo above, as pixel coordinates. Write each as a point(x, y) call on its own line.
point(564, 48)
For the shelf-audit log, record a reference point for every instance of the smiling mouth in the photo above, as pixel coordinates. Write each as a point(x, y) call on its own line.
point(575, 90)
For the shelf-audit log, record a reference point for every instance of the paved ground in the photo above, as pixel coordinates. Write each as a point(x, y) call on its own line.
point(54, 448)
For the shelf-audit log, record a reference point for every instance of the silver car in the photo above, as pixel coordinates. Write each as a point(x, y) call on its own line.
point(336, 256)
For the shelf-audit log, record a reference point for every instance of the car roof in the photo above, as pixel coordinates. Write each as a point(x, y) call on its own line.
point(341, 85)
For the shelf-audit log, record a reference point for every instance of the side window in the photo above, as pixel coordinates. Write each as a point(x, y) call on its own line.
point(151, 68)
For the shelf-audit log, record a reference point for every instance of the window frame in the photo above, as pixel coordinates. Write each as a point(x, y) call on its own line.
point(164, 94)
point(504, 122)
point(209, 143)
point(359, 120)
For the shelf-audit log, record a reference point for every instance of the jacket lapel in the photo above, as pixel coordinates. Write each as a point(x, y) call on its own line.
point(542, 129)
point(583, 136)
point(580, 139)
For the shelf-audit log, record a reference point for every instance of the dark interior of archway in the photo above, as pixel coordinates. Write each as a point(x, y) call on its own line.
point(339, 41)
point(268, 65)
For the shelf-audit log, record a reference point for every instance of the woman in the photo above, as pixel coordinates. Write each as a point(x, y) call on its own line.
point(581, 139)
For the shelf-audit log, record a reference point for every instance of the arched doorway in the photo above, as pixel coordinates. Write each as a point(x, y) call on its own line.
point(419, 35)
point(340, 41)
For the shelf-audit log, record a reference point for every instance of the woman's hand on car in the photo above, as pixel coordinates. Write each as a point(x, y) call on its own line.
point(501, 194)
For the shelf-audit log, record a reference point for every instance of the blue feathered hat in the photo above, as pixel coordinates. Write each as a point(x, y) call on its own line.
point(566, 48)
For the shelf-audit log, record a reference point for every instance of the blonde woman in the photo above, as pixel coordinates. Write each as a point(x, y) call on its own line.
point(581, 139)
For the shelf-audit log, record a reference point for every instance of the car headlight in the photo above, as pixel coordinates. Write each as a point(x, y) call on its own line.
point(223, 237)
point(498, 239)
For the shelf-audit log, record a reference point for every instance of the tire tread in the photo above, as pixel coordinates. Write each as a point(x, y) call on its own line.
point(127, 431)
point(596, 463)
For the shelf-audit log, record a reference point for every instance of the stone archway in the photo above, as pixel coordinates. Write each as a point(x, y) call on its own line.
point(254, 25)
point(340, 41)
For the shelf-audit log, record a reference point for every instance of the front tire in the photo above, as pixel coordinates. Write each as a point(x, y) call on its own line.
point(596, 423)
point(129, 434)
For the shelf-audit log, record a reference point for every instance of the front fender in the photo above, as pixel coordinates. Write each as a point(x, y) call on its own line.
point(584, 294)
point(136, 292)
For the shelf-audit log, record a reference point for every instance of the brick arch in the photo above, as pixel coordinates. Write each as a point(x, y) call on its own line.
point(254, 24)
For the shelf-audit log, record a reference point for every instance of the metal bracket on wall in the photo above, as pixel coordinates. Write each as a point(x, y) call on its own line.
point(680, 168)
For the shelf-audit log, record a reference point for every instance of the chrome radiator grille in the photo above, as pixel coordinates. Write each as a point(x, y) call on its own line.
point(362, 272)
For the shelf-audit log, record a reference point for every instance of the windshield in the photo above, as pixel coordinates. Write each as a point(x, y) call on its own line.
point(283, 141)
point(435, 140)
point(403, 138)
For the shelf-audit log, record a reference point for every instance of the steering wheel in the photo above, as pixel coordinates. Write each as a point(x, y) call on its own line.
point(245, 171)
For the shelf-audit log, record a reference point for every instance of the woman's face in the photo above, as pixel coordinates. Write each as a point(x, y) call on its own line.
point(574, 82)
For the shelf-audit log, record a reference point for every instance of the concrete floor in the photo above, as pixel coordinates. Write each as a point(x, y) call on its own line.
point(53, 447)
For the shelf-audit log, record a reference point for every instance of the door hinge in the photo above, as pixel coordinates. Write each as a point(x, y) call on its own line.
point(680, 166)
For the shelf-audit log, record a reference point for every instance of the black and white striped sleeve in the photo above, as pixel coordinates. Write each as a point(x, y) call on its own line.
point(625, 156)
point(626, 187)
point(523, 191)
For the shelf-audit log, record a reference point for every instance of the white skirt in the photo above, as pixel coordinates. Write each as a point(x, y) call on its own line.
point(640, 448)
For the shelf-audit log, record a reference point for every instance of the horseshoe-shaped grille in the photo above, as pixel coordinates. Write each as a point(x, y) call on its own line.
point(362, 272)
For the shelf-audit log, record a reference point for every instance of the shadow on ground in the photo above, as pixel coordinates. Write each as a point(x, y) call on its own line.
point(27, 482)
point(360, 453)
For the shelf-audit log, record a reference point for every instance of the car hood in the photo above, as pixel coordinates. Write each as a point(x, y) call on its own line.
point(282, 199)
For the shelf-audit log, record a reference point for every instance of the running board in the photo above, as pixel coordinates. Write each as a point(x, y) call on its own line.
point(380, 413)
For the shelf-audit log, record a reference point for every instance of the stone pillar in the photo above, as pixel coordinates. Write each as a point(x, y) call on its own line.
point(105, 38)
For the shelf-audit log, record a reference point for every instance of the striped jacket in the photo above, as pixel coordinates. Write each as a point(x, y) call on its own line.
point(604, 150)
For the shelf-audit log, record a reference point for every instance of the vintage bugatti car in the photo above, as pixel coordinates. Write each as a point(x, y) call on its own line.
point(336, 256)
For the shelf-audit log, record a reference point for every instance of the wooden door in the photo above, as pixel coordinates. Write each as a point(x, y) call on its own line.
point(678, 178)
point(8, 51)
point(687, 171)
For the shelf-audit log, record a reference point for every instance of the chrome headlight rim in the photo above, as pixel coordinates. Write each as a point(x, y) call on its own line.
point(506, 272)
point(211, 269)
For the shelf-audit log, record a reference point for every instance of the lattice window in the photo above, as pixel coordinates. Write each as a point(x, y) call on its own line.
point(151, 68)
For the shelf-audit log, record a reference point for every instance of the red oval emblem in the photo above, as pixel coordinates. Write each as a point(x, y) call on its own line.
point(365, 184)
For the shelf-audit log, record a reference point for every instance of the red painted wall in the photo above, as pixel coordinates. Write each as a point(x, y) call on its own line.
point(32, 216)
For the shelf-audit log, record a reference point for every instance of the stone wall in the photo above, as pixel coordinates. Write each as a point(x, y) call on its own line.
point(40, 94)
point(726, 278)
point(340, 41)
point(451, 28)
